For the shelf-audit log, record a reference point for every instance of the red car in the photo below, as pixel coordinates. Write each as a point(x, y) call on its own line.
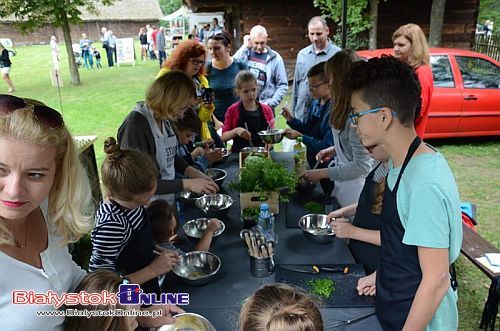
point(466, 98)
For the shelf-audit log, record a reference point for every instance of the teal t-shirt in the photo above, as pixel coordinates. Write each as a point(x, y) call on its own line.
point(429, 208)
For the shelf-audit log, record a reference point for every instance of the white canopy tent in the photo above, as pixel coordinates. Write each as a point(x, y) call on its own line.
point(198, 19)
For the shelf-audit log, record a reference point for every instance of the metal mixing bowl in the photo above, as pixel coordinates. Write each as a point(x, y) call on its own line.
point(273, 136)
point(218, 175)
point(189, 197)
point(194, 229)
point(188, 321)
point(316, 228)
point(197, 267)
point(214, 205)
point(253, 150)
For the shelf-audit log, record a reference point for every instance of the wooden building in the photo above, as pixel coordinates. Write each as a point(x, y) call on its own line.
point(124, 18)
point(286, 21)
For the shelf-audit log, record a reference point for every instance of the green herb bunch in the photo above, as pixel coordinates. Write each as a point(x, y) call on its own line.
point(250, 213)
point(323, 287)
point(314, 207)
point(264, 175)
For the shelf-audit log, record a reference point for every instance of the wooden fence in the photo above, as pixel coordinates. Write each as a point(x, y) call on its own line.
point(488, 45)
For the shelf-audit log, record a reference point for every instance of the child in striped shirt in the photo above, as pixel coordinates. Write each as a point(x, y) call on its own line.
point(122, 238)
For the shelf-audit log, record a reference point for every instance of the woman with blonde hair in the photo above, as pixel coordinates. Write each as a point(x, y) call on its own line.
point(280, 307)
point(352, 160)
point(410, 46)
point(148, 128)
point(45, 204)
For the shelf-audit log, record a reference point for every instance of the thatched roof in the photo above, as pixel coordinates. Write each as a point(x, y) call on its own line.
point(121, 10)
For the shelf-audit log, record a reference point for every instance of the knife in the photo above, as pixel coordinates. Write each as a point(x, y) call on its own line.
point(313, 269)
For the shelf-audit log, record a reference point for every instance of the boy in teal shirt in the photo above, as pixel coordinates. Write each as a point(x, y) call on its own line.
point(421, 232)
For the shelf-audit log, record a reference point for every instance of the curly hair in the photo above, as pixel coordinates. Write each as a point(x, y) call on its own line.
point(185, 51)
point(387, 82)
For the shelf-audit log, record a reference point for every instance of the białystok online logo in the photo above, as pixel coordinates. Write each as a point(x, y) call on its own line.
point(129, 294)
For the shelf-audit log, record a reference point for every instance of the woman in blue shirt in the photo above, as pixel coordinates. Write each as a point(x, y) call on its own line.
point(221, 72)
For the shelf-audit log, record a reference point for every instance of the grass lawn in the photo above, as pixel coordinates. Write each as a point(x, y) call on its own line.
point(98, 106)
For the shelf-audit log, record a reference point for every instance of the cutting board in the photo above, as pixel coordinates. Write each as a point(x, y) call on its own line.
point(345, 293)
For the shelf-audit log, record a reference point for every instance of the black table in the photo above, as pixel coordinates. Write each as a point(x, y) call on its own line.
point(221, 299)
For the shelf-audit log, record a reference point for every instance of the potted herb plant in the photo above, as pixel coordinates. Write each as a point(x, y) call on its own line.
point(261, 180)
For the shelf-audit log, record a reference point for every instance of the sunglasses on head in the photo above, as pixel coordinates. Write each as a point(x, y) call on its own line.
point(45, 115)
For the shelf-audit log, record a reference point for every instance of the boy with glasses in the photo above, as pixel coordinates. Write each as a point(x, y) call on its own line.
point(421, 227)
point(314, 129)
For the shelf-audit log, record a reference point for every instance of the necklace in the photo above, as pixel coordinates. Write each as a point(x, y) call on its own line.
point(18, 244)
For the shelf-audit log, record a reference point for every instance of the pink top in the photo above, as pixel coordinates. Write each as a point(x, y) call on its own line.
point(233, 114)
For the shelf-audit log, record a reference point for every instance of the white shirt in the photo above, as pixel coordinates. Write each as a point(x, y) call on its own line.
point(59, 274)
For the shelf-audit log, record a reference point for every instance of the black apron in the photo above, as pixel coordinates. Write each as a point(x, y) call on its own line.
point(256, 121)
point(138, 254)
point(399, 273)
point(363, 252)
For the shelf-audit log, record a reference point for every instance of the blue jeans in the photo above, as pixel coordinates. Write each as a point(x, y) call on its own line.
point(163, 56)
point(87, 59)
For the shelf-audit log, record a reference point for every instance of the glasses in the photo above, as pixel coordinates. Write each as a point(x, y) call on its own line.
point(354, 117)
point(313, 87)
point(197, 62)
point(45, 115)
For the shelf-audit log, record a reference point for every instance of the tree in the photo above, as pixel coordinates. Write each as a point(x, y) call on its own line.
point(358, 19)
point(34, 14)
point(169, 6)
point(489, 10)
point(436, 25)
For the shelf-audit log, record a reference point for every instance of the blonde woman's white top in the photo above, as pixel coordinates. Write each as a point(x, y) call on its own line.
point(58, 274)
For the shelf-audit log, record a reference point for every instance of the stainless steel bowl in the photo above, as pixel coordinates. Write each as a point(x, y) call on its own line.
point(253, 150)
point(214, 205)
point(189, 197)
point(218, 175)
point(194, 229)
point(273, 136)
point(197, 267)
point(316, 228)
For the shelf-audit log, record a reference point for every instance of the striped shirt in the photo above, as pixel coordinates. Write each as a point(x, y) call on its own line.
point(112, 231)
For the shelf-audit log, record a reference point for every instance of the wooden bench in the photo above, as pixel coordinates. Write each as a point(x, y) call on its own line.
point(474, 246)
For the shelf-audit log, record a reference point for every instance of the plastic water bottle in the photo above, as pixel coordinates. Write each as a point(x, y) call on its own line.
point(300, 157)
point(265, 223)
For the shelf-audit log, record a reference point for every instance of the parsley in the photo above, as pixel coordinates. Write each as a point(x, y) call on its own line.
point(314, 207)
point(323, 287)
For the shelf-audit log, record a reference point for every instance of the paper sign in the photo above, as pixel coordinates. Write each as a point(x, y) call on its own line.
point(125, 51)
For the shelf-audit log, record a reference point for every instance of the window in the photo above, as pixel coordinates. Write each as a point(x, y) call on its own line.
point(441, 71)
point(478, 73)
